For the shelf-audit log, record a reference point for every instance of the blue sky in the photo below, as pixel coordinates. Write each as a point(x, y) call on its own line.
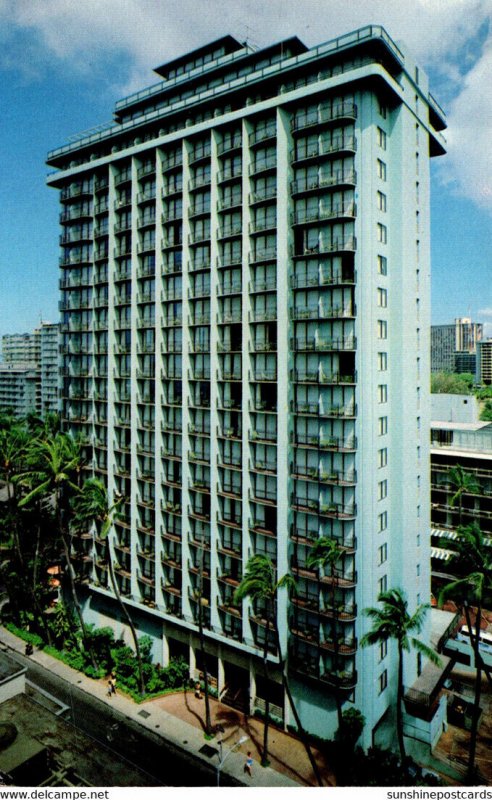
point(63, 64)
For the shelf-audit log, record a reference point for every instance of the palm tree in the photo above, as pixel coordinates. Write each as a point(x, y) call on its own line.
point(259, 584)
point(54, 464)
point(462, 482)
point(473, 562)
point(203, 652)
point(326, 553)
point(393, 621)
point(13, 453)
point(92, 505)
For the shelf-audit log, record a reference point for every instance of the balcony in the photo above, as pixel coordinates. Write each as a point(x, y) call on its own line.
point(230, 231)
point(319, 377)
point(348, 411)
point(262, 165)
point(260, 494)
point(315, 152)
point(336, 245)
point(318, 344)
point(316, 474)
point(263, 376)
point(347, 211)
point(262, 135)
point(262, 195)
point(265, 315)
point(229, 289)
point(306, 281)
point(263, 467)
point(173, 161)
point(319, 442)
point(343, 647)
point(230, 144)
point(307, 505)
point(317, 183)
point(341, 111)
point(146, 169)
point(229, 174)
point(264, 254)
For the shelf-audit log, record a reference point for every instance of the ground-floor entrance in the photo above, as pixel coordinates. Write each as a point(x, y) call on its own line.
point(236, 689)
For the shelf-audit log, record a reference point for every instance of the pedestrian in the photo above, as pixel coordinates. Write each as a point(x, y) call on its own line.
point(110, 688)
point(198, 690)
point(249, 764)
point(112, 682)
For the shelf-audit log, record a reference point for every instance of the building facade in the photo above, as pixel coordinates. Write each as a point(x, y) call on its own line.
point(49, 362)
point(21, 348)
point(468, 443)
point(20, 389)
point(30, 373)
point(245, 269)
point(484, 362)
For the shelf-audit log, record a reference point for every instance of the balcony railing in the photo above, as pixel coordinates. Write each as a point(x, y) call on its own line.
point(315, 183)
point(321, 442)
point(339, 111)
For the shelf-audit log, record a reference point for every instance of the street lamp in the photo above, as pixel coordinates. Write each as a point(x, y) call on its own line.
point(222, 759)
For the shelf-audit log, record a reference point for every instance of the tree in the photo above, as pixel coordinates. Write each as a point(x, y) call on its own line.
point(203, 651)
point(259, 583)
point(13, 454)
point(326, 553)
point(393, 621)
point(53, 465)
point(452, 383)
point(472, 562)
point(92, 506)
point(462, 482)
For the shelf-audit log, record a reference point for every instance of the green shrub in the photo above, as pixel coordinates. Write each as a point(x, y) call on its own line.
point(26, 636)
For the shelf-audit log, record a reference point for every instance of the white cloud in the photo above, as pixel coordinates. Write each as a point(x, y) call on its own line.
point(485, 312)
point(85, 35)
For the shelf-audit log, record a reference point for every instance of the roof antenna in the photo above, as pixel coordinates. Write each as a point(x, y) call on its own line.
point(246, 34)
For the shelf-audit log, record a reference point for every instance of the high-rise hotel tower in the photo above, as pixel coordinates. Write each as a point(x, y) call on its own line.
point(245, 339)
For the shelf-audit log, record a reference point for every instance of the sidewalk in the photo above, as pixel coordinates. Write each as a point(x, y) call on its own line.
point(178, 719)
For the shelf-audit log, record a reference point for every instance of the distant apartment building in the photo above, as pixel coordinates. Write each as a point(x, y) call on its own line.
point(245, 262)
point(49, 362)
point(484, 362)
point(20, 389)
point(450, 343)
point(30, 372)
point(21, 348)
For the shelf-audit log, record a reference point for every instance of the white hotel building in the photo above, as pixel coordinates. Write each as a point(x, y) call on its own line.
point(245, 339)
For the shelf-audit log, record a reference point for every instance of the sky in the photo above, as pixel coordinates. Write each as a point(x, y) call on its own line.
point(64, 63)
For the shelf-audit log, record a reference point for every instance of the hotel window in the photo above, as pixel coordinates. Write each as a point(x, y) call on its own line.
point(382, 233)
point(382, 554)
point(382, 265)
point(382, 426)
point(381, 138)
point(382, 521)
point(382, 490)
point(383, 584)
point(382, 298)
point(383, 681)
point(382, 457)
point(382, 205)
point(382, 329)
point(381, 167)
point(382, 393)
point(382, 362)
point(383, 649)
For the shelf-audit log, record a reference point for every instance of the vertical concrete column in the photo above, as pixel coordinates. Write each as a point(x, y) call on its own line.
point(185, 412)
point(159, 393)
point(214, 366)
point(283, 365)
